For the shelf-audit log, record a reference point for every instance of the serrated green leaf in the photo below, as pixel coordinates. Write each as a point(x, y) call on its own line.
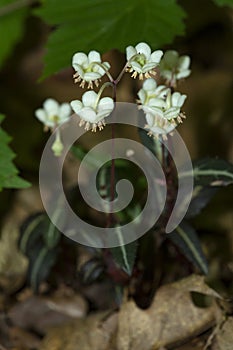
point(124, 255)
point(8, 172)
point(224, 2)
point(186, 239)
point(12, 17)
point(106, 24)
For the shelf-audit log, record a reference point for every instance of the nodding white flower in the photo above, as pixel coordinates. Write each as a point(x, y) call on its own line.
point(152, 96)
point(92, 110)
point(89, 68)
point(157, 125)
point(174, 67)
point(141, 61)
point(162, 108)
point(52, 114)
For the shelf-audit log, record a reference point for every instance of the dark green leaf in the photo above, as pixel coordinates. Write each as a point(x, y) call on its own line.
point(186, 239)
point(12, 16)
point(200, 198)
point(211, 172)
point(209, 176)
point(39, 241)
point(40, 265)
point(8, 172)
point(125, 255)
point(107, 24)
point(224, 2)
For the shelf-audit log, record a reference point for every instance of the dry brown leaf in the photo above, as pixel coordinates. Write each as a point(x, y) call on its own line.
point(40, 313)
point(172, 317)
point(94, 333)
point(224, 336)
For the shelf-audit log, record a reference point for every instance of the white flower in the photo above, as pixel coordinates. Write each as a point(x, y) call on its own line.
point(152, 96)
point(141, 61)
point(89, 68)
point(162, 108)
point(172, 67)
point(159, 126)
point(93, 110)
point(173, 104)
point(52, 114)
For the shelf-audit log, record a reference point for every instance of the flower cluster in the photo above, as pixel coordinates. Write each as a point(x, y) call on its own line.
point(161, 107)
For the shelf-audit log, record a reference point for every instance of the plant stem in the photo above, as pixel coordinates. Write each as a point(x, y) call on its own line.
point(112, 179)
point(5, 10)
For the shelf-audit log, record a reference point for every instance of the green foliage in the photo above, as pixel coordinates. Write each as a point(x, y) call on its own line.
point(103, 25)
point(39, 242)
point(224, 2)
point(186, 239)
point(12, 16)
point(124, 255)
point(8, 171)
point(209, 176)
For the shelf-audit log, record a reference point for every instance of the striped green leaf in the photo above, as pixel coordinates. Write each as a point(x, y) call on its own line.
point(124, 255)
point(187, 241)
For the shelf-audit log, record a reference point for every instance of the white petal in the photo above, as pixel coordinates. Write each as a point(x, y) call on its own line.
point(156, 56)
point(144, 48)
point(178, 99)
point(130, 52)
point(153, 110)
point(94, 56)
point(76, 105)
point(148, 66)
point(41, 115)
point(172, 113)
point(65, 111)
point(79, 58)
point(51, 107)
point(90, 76)
point(107, 65)
point(79, 69)
point(183, 74)
point(106, 103)
point(89, 99)
point(88, 114)
point(150, 119)
point(161, 91)
point(149, 84)
point(136, 66)
point(157, 102)
point(142, 96)
point(183, 62)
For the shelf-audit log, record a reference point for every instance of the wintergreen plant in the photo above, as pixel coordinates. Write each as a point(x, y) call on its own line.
point(160, 108)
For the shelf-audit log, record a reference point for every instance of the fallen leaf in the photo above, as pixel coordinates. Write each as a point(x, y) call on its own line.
point(171, 319)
